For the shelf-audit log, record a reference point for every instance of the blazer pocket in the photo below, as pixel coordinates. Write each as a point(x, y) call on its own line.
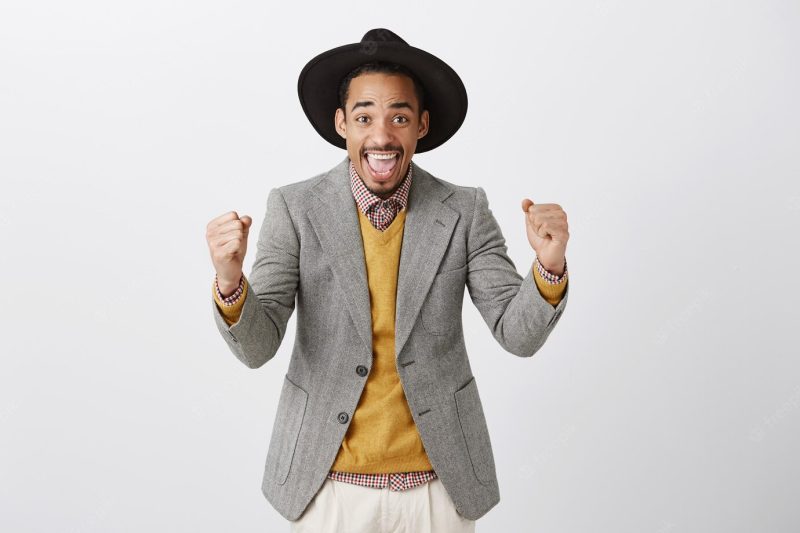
point(285, 431)
point(476, 433)
point(441, 310)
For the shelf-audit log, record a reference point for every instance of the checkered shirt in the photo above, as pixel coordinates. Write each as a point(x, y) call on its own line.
point(380, 212)
point(396, 481)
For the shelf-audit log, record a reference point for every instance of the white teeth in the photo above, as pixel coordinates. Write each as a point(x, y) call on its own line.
point(381, 156)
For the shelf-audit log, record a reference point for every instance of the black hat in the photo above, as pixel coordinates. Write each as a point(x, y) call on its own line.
point(444, 93)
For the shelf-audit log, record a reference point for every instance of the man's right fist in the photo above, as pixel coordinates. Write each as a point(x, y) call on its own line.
point(227, 242)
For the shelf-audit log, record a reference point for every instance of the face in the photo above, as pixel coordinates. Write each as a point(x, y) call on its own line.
point(381, 128)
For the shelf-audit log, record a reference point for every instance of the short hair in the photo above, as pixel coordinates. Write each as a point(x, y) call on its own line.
point(385, 68)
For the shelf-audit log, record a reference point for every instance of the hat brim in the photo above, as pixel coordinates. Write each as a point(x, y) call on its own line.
point(445, 94)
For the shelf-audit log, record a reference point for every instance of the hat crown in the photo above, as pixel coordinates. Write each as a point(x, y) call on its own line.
point(382, 35)
point(445, 94)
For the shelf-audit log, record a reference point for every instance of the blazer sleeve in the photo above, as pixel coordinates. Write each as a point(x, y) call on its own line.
point(271, 289)
point(518, 315)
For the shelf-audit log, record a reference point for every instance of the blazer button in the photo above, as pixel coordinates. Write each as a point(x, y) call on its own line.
point(343, 417)
point(361, 370)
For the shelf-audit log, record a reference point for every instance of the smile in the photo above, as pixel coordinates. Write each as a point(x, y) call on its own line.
point(381, 164)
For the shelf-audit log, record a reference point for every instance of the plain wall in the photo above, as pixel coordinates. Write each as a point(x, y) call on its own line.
point(666, 400)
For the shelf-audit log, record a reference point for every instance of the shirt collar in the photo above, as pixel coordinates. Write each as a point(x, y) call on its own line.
point(366, 199)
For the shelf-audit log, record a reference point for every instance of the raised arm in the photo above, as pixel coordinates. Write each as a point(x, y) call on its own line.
point(271, 287)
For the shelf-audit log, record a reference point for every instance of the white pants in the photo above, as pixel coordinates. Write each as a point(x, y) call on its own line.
point(341, 507)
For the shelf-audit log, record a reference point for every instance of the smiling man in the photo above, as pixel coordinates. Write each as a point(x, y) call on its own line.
point(381, 118)
point(379, 424)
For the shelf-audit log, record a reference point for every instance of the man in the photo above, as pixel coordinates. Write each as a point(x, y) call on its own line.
point(379, 424)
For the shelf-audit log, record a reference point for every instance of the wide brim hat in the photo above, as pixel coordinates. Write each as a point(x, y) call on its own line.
point(445, 96)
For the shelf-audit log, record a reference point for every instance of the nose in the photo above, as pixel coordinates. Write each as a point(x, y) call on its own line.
point(382, 134)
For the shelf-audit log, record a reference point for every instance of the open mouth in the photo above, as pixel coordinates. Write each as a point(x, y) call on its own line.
point(381, 164)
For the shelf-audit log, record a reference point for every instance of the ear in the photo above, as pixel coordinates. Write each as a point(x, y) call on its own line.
point(340, 123)
point(423, 124)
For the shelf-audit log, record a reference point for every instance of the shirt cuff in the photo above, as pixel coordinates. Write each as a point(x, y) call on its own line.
point(230, 307)
point(550, 286)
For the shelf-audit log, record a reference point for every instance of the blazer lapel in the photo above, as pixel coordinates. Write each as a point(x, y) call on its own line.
point(428, 226)
point(335, 221)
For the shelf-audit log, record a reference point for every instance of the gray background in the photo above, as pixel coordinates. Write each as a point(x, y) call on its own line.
point(667, 399)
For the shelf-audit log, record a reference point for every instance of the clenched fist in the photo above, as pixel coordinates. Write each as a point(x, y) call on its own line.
point(548, 233)
point(227, 242)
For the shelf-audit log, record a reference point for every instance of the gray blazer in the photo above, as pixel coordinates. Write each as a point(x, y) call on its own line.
point(310, 254)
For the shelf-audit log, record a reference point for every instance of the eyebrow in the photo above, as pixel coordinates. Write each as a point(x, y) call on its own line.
point(395, 105)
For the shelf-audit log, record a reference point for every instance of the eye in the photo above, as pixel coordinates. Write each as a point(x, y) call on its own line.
point(358, 118)
point(403, 119)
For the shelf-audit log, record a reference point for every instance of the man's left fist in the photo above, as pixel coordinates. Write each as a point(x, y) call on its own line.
point(546, 225)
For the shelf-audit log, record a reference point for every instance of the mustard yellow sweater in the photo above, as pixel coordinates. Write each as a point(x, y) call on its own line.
point(382, 437)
